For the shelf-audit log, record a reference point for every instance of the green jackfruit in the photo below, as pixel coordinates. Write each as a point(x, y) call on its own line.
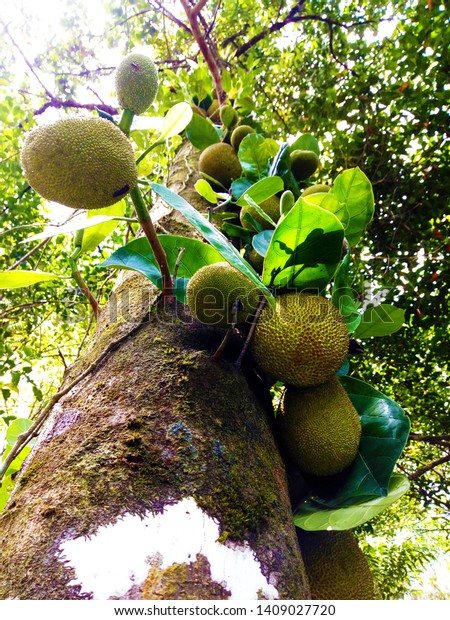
point(219, 162)
point(271, 206)
point(303, 342)
point(316, 189)
point(319, 428)
point(239, 134)
point(214, 111)
point(136, 82)
point(336, 567)
point(81, 162)
point(303, 164)
point(214, 289)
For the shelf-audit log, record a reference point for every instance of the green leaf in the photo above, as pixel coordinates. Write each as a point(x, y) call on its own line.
point(138, 256)
point(380, 320)
point(94, 235)
point(206, 191)
point(255, 153)
point(80, 224)
point(20, 278)
point(385, 430)
point(213, 236)
point(261, 241)
point(6, 489)
point(347, 518)
point(259, 210)
point(354, 191)
point(306, 142)
point(176, 120)
point(305, 249)
point(201, 132)
point(262, 190)
point(342, 296)
point(233, 230)
point(16, 428)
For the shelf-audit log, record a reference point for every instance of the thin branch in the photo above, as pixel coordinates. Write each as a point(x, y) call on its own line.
point(206, 51)
point(30, 253)
point(198, 7)
point(71, 103)
point(160, 6)
point(25, 307)
point(433, 439)
point(423, 470)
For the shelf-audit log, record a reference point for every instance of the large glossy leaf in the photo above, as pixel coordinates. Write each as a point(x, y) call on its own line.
point(306, 142)
point(94, 235)
point(16, 428)
point(385, 430)
point(176, 120)
point(262, 189)
point(78, 224)
point(255, 153)
point(380, 320)
point(354, 191)
point(19, 278)
point(138, 256)
point(213, 236)
point(261, 241)
point(310, 518)
point(201, 132)
point(343, 296)
point(305, 249)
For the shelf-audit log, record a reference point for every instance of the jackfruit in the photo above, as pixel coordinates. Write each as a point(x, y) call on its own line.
point(213, 291)
point(336, 567)
point(302, 342)
point(271, 206)
point(255, 259)
point(319, 428)
point(81, 162)
point(303, 164)
point(136, 82)
point(316, 189)
point(239, 134)
point(214, 111)
point(219, 162)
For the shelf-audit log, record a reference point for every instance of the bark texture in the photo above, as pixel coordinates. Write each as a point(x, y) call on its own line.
point(155, 428)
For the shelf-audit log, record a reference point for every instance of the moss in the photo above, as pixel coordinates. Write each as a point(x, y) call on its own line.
point(186, 582)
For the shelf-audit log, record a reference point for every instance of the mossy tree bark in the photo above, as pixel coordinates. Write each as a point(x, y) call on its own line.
point(157, 475)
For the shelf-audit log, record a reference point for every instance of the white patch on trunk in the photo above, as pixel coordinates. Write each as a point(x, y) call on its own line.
point(119, 556)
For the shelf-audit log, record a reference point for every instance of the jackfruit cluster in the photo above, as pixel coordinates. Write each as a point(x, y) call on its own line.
point(221, 295)
point(81, 162)
point(136, 82)
point(336, 567)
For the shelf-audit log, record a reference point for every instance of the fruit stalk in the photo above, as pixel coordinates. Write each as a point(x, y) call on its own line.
point(150, 232)
point(76, 275)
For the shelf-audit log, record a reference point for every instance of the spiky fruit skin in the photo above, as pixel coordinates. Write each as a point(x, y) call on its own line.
point(136, 82)
point(303, 164)
point(336, 567)
point(302, 342)
point(219, 161)
point(319, 428)
point(81, 162)
point(239, 134)
point(212, 291)
point(271, 206)
point(319, 188)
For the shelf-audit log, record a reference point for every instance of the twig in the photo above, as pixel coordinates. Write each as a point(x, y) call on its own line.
point(239, 360)
point(28, 254)
point(175, 20)
point(423, 470)
point(24, 438)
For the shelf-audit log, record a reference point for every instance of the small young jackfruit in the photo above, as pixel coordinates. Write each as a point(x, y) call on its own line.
point(81, 162)
point(213, 291)
point(302, 342)
point(239, 134)
point(271, 206)
point(213, 111)
point(319, 428)
point(303, 164)
point(319, 188)
point(336, 567)
point(220, 162)
point(136, 82)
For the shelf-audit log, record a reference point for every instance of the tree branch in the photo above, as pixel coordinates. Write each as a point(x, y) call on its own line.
point(71, 103)
point(175, 20)
point(423, 470)
point(205, 49)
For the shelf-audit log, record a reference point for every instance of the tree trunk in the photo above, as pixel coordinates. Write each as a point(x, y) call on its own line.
point(157, 475)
